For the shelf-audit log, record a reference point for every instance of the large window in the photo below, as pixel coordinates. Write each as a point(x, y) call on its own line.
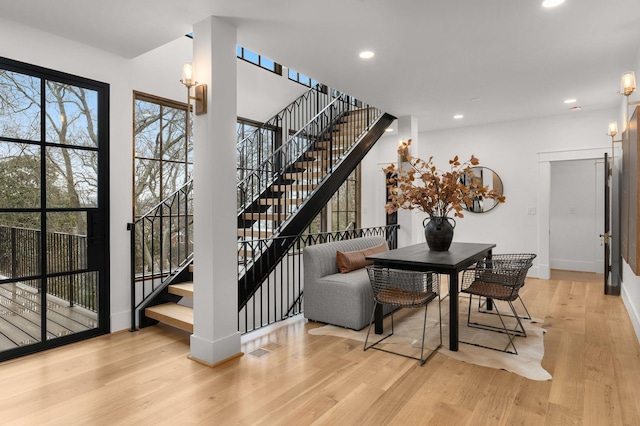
point(345, 204)
point(163, 156)
point(343, 211)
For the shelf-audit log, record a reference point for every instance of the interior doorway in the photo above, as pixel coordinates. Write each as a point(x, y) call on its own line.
point(576, 215)
point(544, 169)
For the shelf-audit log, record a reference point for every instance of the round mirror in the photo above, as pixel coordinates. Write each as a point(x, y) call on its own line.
point(483, 176)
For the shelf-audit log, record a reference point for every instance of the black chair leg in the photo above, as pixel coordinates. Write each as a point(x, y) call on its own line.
point(511, 334)
point(422, 359)
point(369, 330)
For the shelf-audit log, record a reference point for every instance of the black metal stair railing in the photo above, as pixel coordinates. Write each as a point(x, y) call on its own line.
point(280, 295)
point(259, 145)
point(283, 196)
point(274, 190)
point(161, 247)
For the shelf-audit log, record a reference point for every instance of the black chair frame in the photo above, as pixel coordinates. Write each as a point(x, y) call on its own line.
point(407, 289)
point(498, 280)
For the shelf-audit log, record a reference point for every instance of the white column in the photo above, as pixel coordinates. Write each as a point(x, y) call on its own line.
point(215, 332)
point(411, 230)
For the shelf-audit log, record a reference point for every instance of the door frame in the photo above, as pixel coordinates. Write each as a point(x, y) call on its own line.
point(103, 208)
point(544, 195)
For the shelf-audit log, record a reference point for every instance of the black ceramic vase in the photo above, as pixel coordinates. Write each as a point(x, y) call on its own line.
point(439, 232)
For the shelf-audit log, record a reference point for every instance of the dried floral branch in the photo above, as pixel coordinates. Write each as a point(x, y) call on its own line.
point(435, 192)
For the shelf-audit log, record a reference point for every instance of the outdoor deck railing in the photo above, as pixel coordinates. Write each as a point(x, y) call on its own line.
point(66, 257)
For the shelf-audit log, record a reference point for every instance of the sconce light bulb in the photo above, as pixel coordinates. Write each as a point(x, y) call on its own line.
point(613, 128)
point(188, 75)
point(628, 83)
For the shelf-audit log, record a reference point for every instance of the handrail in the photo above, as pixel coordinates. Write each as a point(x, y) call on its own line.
point(347, 155)
point(163, 202)
point(273, 121)
point(261, 142)
point(284, 148)
point(253, 185)
point(160, 245)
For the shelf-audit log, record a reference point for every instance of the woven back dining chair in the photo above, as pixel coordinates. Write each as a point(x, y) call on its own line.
point(404, 289)
point(500, 280)
point(511, 259)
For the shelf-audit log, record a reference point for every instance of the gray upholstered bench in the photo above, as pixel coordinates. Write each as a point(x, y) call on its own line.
point(343, 299)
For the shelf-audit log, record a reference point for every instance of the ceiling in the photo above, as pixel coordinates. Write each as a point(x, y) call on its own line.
point(490, 60)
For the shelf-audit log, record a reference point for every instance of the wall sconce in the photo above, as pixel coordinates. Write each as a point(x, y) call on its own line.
point(189, 81)
point(628, 83)
point(613, 131)
point(403, 153)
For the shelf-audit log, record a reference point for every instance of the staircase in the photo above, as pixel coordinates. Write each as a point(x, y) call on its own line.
point(332, 146)
point(173, 314)
point(286, 188)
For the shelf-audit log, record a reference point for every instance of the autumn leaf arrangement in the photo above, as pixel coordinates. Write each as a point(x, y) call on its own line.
point(437, 193)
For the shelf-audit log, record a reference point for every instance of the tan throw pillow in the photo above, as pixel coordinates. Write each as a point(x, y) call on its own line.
point(351, 260)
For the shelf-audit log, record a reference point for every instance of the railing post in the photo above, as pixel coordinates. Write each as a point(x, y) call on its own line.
point(71, 268)
point(14, 260)
point(131, 227)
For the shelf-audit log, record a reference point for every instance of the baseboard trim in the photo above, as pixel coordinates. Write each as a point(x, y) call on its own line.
point(633, 313)
point(216, 364)
point(576, 265)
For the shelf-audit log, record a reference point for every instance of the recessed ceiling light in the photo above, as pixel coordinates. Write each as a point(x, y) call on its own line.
point(366, 54)
point(570, 101)
point(458, 116)
point(552, 3)
point(474, 99)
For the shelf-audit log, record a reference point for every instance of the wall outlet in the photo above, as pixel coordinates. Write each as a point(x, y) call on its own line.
point(531, 210)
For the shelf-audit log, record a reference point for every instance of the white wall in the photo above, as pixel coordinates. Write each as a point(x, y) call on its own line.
point(512, 150)
point(576, 204)
point(262, 94)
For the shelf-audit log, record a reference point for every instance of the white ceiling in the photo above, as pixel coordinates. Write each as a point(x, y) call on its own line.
point(432, 57)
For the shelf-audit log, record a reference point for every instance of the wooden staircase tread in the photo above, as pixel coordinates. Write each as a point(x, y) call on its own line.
point(264, 216)
point(182, 289)
point(252, 233)
point(172, 314)
point(293, 187)
point(280, 201)
point(303, 176)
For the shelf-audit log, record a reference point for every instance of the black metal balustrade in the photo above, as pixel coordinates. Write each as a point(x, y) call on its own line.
point(20, 262)
point(291, 187)
point(281, 293)
point(308, 155)
point(260, 144)
point(161, 246)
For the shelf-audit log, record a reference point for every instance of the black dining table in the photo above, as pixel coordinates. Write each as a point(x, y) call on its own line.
point(419, 257)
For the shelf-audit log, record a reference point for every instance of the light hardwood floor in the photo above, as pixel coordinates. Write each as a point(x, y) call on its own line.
point(292, 378)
